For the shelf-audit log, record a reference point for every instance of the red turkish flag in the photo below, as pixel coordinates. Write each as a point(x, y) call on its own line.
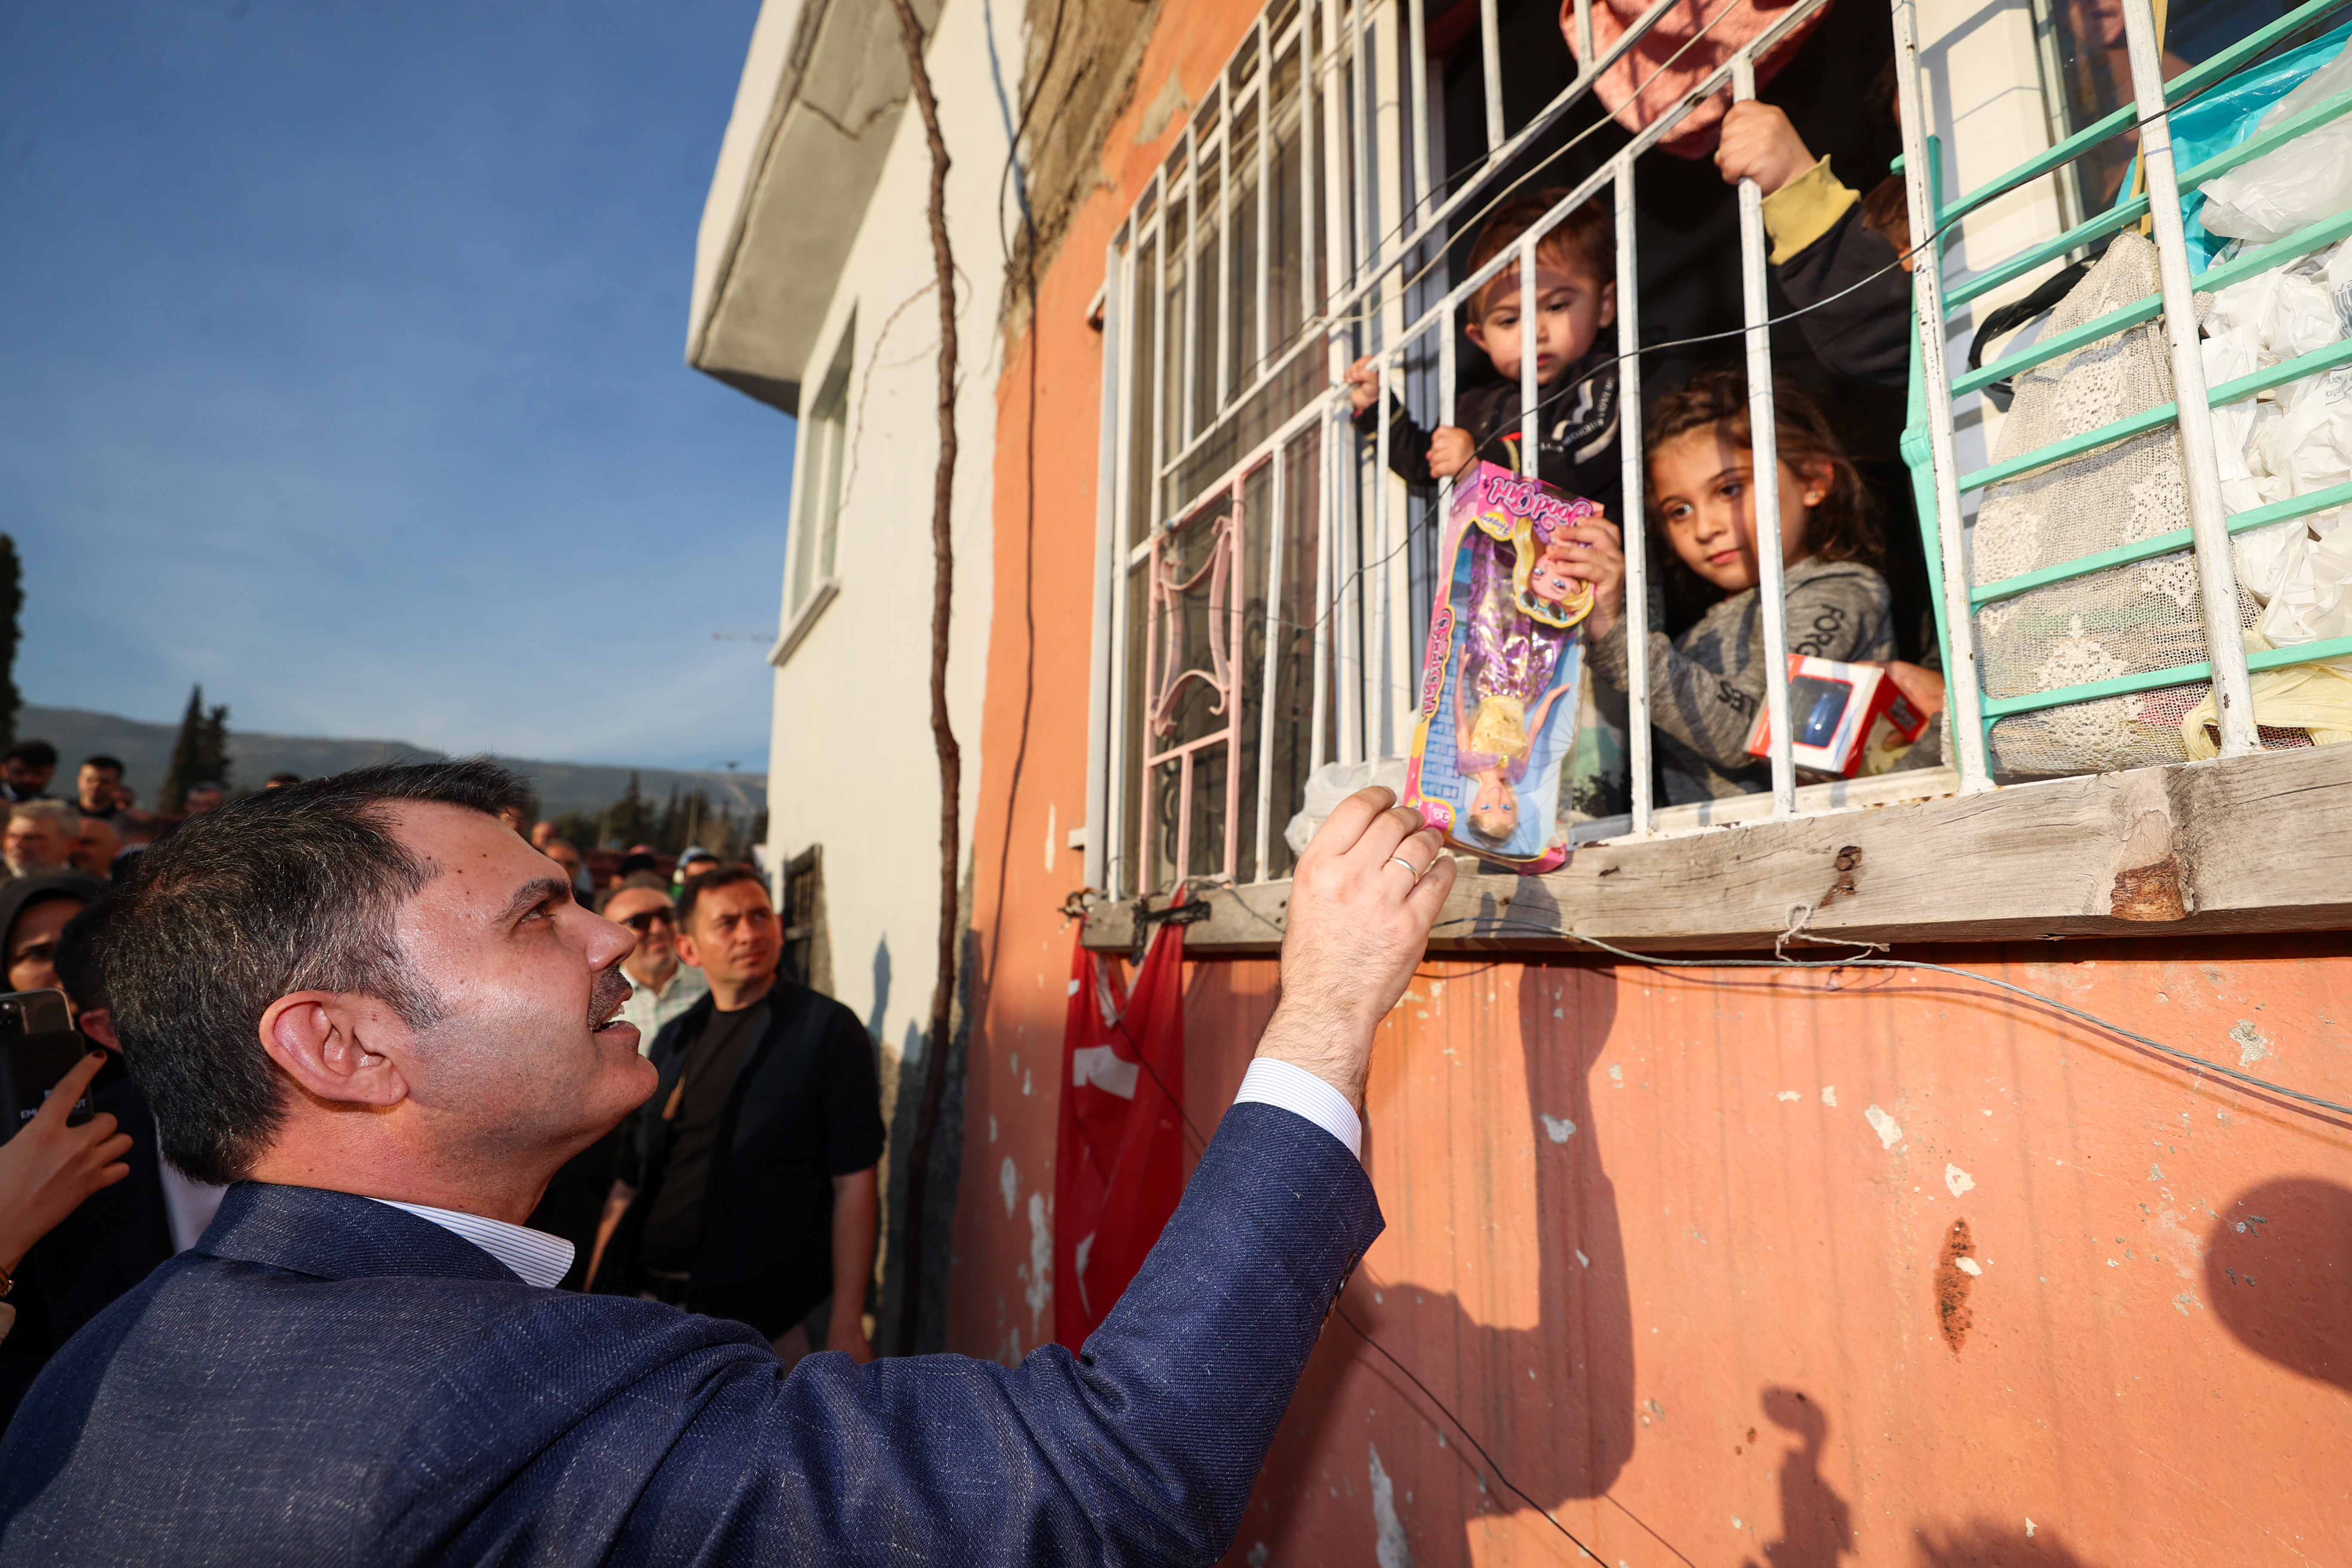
point(1119, 1167)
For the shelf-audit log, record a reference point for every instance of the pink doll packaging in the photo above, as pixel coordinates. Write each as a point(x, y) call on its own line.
point(1505, 666)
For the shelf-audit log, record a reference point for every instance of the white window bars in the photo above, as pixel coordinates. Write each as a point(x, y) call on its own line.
point(1254, 618)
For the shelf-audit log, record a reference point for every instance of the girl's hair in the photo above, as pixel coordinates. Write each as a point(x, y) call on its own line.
point(1842, 526)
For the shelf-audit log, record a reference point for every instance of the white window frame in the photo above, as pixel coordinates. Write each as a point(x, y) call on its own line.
point(813, 534)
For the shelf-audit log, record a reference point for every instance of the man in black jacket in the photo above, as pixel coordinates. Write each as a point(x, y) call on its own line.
point(747, 1186)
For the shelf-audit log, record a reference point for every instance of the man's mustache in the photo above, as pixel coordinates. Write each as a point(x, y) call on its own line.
point(613, 988)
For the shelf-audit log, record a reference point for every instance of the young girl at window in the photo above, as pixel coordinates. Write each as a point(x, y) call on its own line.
point(1707, 686)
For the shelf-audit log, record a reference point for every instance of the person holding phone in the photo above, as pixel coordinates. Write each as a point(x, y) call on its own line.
point(47, 1169)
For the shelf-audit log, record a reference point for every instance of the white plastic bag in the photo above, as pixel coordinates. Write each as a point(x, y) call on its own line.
point(1332, 783)
point(2295, 185)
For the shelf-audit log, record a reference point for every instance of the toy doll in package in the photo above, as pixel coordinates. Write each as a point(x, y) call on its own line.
point(1499, 686)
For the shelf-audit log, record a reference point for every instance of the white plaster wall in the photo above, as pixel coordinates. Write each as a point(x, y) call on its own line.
point(1983, 81)
point(851, 762)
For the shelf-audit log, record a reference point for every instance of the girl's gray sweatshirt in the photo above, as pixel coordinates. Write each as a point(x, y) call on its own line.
point(1707, 687)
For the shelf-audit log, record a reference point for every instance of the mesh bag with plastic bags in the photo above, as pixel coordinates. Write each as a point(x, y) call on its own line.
point(2125, 620)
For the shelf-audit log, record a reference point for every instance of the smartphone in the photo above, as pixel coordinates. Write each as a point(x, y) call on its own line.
point(38, 1045)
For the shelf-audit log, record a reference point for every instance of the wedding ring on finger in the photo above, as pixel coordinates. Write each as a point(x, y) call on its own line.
point(1400, 860)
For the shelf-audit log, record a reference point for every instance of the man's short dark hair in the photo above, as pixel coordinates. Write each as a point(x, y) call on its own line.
point(106, 761)
point(32, 754)
point(81, 963)
point(711, 882)
point(285, 891)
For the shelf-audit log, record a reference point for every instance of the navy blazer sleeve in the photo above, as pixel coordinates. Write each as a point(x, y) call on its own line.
point(329, 1380)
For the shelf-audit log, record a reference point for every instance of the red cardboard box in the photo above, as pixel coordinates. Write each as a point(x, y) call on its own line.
point(1849, 721)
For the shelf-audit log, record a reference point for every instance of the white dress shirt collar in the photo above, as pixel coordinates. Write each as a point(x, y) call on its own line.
point(536, 1256)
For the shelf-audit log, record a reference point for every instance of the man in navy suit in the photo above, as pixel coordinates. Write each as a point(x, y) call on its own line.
point(382, 1016)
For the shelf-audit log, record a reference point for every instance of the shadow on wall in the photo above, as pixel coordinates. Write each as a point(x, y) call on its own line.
point(2278, 1270)
point(1981, 1544)
point(1816, 1523)
point(1570, 1434)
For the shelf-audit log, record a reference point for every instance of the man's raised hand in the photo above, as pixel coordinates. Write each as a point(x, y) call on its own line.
point(1362, 900)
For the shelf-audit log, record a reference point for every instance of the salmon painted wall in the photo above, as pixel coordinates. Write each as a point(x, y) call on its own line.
point(1685, 1249)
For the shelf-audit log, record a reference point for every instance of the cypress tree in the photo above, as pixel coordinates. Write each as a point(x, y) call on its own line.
point(199, 753)
point(217, 759)
point(187, 755)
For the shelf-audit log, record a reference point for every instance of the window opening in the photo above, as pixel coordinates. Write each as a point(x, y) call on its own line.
point(826, 452)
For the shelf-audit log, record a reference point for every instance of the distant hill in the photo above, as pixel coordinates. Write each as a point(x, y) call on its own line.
point(146, 751)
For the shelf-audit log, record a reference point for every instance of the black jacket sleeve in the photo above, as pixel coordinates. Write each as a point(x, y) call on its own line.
point(1408, 442)
point(1865, 333)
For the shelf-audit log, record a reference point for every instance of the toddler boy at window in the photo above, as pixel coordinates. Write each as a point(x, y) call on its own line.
point(1576, 297)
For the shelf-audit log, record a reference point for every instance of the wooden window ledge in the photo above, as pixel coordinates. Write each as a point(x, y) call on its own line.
point(2244, 844)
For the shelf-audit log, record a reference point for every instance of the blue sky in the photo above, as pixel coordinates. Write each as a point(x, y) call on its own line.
point(341, 369)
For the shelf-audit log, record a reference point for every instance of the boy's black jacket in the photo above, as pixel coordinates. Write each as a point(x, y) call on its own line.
point(1577, 450)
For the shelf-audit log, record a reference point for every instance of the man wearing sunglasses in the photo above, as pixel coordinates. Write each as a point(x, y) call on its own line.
point(665, 987)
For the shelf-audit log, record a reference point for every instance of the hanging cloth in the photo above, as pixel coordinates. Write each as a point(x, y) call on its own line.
point(1118, 1165)
point(1672, 57)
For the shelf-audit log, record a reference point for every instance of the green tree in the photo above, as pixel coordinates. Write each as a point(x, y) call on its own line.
point(631, 818)
point(199, 753)
point(12, 609)
point(215, 749)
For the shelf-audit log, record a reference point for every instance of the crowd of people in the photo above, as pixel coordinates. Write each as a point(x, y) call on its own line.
point(747, 1189)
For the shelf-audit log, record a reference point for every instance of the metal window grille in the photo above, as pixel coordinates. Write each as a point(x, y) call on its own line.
point(1255, 612)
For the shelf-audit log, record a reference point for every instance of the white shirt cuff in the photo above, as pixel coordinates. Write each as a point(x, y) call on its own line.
point(1300, 1092)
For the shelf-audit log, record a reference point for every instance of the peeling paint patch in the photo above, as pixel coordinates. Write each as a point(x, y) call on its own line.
point(2189, 1248)
point(1041, 1260)
point(2182, 1301)
point(1581, 1259)
point(1389, 1548)
point(1953, 1315)
point(2253, 1044)
point(1558, 1128)
point(2028, 1524)
point(1956, 1181)
point(1829, 1094)
point(1259, 1554)
point(1008, 1181)
point(992, 1128)
point(1970, 1267)
point(1889, 1131)
point(1787, 1094)
point(1617, 1074)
